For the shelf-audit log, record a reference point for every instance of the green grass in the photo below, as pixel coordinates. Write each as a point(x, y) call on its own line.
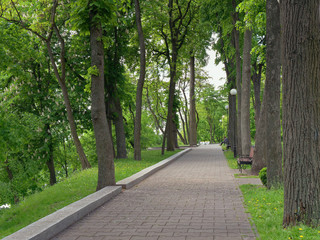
point(243, 175)
point(232, 162)
point(68, 191)
point(266, 209)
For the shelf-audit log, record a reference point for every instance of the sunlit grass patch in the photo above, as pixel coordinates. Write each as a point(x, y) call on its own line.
point(243, 175)
point(266, 209)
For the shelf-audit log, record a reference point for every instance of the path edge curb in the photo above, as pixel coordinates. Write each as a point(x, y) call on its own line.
point(134, 179)
point(49, 226)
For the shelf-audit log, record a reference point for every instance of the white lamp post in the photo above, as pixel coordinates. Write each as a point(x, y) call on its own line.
point(233, 92)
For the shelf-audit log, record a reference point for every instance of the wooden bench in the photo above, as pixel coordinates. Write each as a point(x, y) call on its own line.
point(245, 160)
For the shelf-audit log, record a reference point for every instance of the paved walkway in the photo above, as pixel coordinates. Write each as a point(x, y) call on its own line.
point(196, 197)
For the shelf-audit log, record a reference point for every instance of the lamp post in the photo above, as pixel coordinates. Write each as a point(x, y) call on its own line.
point(228, 127)
point(233, 93)
point(221, 128)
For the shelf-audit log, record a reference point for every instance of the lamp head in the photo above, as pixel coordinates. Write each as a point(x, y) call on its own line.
point(233, 91)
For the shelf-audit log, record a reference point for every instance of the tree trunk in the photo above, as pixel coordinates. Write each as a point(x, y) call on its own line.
point(172, 86)
point(272, 95)
point(183, 128)
point(104, 146)
point(137, 122)
point(231, 111)
point(10, 177)
point(211, 133)
point(238, 80)
point(192, 121)
point(232, 122)
point(50, 162)
point(186, 113)
point(260, 155)
point(183, 140)
point(301, 112)
point(175, 135)
point(164, 141)
point(256, 79)
point(245, 95)
point(120, 132)
point(61, 80)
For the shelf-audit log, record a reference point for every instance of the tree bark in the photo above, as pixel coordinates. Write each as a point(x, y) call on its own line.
point(137, 122)
point(10, 177)
point(192, 121)
point(175, 135)
point(104, 146)
point(186, 113)
point(272, 95)
point(245, 95)
point(172, 86)
point(120, 132)
point(50, 162)
point(301, 112)
point(183, 128)
point(260, 155)
point(238, 81)
point(256, 79)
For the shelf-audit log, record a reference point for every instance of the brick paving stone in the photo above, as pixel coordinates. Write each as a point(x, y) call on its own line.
point(196, 197)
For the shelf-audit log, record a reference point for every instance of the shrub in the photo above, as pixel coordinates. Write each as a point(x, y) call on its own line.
point(263, 176)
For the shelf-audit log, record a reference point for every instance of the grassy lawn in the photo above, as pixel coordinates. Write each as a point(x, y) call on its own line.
point(68, 191)
point(266, 209)
point(232, 162)
point(243, 175)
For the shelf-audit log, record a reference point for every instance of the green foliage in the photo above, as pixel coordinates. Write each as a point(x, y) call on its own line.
point(80, 17)
point(211, 109)
point(266, 209)
point(70, 190)
point(19, 136)
point(263, 176)
point(149, 137)
point(255, 14)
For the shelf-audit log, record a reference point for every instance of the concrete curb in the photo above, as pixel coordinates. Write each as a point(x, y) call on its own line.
point(143, 174)
point(51, 225)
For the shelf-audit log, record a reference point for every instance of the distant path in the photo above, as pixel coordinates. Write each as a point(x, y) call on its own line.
point(196, 197)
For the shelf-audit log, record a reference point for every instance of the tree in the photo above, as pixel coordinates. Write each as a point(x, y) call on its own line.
point(245, 95)
point(236, 34)
point(115, 78)
point(104, 146)
point(301, 114)
point(268, 150)
point(179, 20)
point(192, 122)
point(254, 16)
point(137, 125)
point(224, 19)
point(32, 22)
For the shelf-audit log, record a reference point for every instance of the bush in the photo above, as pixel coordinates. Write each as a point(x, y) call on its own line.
point(263, 176)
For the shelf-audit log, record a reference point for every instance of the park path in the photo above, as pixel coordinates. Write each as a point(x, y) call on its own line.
point(196, 197)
